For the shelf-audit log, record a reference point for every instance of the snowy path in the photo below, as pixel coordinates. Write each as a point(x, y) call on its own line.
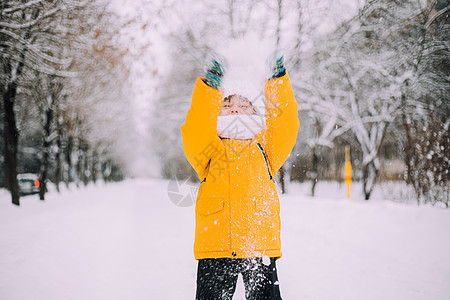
point(128, 241)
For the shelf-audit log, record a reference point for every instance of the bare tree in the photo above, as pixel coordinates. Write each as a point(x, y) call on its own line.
point(68, 47)
point(364, 66)
point(425, 112)
point(22, 33)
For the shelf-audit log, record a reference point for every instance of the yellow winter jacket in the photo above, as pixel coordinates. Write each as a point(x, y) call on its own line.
point(237, 210)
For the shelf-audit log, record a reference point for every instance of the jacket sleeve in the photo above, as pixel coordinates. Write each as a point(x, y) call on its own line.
point(281, 121)
point(199, 131)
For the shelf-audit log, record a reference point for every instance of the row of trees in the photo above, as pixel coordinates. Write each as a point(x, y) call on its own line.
point(386, 72)
point(63, 97)
point(379, 79)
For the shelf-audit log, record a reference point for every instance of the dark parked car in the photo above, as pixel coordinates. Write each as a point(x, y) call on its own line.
point(28, 183)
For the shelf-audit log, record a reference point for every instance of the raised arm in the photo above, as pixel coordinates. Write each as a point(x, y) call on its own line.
point(281, 121)
point(199, 130)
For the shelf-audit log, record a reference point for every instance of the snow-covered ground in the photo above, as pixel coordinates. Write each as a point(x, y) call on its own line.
point(129, 241)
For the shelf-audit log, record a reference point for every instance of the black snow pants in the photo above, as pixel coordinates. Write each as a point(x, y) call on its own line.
point(217, 278)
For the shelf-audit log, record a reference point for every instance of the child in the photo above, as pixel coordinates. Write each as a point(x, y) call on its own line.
point(237, 210)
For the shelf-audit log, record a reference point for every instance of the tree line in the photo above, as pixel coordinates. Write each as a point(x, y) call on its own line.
point(61, 77)
point(377, 82)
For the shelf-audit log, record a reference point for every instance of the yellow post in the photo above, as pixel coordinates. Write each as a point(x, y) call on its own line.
point(348, 170)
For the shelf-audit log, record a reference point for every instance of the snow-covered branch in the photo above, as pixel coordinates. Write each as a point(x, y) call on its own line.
point(41, 68)
point(20, 6)
point(33, 22)
point(436, 16)
point(30, 46)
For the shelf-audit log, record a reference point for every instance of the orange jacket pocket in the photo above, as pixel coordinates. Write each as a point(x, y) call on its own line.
point(212, 231)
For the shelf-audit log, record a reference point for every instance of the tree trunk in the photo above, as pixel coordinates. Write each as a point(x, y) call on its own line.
point(86, 168)
point(54, 90)
point(46, 154)
point(11, 132)
point(106, 171)
point(370, 172)
point(58, 162)
point(282, 179)
point(409, 147)
point(58, 170)
point(83, 163)
point(94, 166)
point(280, 17)
point(314, 170)
point(68, 157)
point(79, 166)
point(299, 33)
point(11, 142)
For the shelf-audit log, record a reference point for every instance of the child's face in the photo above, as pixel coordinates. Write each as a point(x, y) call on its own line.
point(236, 105)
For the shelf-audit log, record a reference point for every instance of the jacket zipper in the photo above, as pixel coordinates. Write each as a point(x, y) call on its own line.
point(208, 166)
point(265, 159)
